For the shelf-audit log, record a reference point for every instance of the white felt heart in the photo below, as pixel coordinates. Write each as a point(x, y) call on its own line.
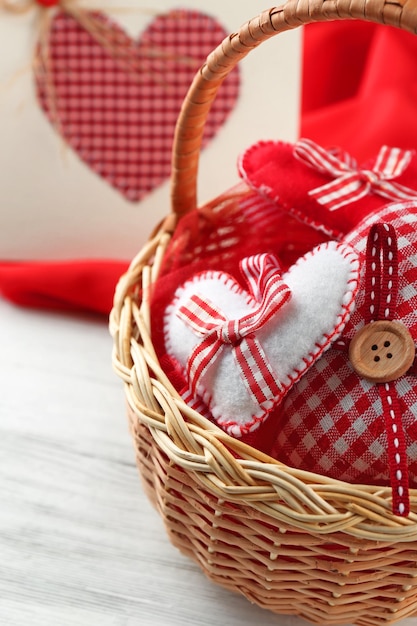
point(243, 350)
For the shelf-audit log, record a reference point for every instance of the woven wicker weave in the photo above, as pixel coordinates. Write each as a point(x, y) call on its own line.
point(290, 541)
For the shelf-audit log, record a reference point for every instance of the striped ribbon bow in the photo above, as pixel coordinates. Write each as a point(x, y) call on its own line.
point(352, 183)
point(208, 322)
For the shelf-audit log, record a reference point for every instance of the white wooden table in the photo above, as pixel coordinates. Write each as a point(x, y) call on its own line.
point(79, 543)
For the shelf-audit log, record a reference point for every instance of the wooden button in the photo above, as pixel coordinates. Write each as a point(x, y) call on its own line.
point(382, 351)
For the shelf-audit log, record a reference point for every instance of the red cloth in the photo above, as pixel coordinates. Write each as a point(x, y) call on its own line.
point(85, 285)
point(358, 95)
point(359, 87)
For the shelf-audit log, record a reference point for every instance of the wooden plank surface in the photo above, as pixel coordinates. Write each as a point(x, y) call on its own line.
point(79, 543)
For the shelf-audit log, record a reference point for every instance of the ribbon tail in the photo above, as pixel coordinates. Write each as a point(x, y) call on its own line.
point(201, 359)
point(325, 161)
point(340, 192)
point(394, 191)
point(258, 270)
point(392, 162)
point(201, 315)
point(257, 374)
point(263, 275)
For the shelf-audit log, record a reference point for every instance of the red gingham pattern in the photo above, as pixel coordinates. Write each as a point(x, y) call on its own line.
point(116, 101)
point(351, 183)
point(332, 421)
point(209, 323)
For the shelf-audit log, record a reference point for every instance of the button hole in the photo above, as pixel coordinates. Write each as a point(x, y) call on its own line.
point(377, 358)
point(387, 344)
point(389, 355)
point(374, 347)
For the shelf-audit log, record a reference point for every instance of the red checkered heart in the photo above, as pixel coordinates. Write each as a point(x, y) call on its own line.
point(116, 101)
point(336, 423)
point(241, 351)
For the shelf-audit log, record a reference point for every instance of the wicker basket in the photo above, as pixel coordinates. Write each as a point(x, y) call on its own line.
point(290, 541)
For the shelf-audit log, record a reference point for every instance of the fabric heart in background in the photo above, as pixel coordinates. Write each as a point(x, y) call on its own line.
point(325, 189)
point(359, 91)
point(116, 101)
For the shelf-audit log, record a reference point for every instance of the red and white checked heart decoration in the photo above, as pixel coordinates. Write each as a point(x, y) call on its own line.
point(351, 183)
point(208, 322)
point(336, 422)
point(115, 100)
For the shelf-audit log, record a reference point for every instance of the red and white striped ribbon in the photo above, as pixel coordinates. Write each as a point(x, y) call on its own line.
point(352, 183)
point(262, 273)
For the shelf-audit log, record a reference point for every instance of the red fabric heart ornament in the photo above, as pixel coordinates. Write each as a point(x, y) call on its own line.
point(334, 421)
point(326, 188)
point(116, 101)
point(242, 350)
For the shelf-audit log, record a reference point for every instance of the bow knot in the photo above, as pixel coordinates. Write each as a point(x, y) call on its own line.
point(217, 332)
point(231, 334)
point(368, 177)
point(350, 182)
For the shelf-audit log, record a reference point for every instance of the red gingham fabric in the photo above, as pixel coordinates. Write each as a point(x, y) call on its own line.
point(332, 421)
point(116, 102)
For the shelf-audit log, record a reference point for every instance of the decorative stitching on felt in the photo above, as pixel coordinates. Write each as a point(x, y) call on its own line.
point(267, 192)
point(234, 287)
point(231, 426)
point(239, 430)
point(206, 274)
point(203, 393)
point(303, 217)
point(253, 148)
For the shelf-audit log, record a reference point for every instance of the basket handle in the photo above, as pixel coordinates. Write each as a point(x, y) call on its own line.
point(220, 62)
